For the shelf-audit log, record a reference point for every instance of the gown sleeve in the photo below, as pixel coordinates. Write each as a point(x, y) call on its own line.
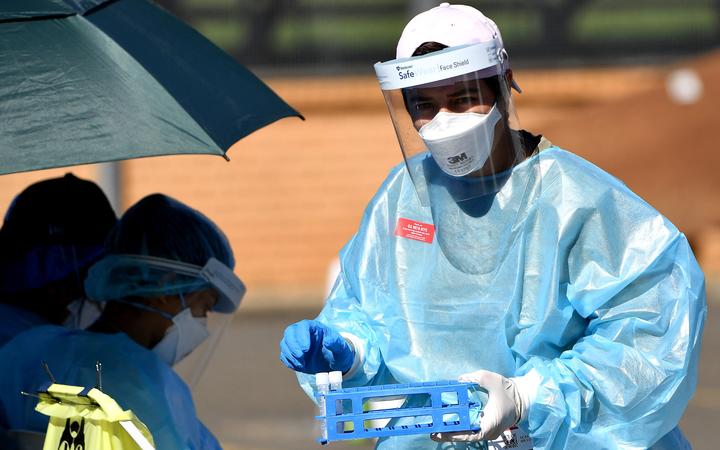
point(633, 277)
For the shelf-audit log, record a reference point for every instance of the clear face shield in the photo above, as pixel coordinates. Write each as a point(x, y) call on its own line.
point(192, 367)
point(230, 291)
point(455, 121)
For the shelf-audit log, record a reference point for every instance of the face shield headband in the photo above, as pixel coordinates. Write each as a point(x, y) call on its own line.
point(230, 288)
point(439, 68)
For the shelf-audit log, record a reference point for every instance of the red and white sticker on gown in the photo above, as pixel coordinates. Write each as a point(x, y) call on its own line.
point(417, 231)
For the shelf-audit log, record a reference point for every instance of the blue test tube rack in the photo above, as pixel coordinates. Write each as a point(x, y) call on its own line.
point(445, 416)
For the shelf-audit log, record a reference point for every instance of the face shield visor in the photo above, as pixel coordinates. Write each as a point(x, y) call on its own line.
point(455, 120)
point(121, 276)
point(192, 367)
point(230, 290)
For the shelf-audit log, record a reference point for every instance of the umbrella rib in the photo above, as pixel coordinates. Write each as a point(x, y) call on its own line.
point(59, 15)
point(37, 18)
point(99, 7)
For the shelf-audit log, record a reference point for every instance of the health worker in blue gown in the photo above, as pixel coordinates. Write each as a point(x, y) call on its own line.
point(52, 232)
point(167, 273)
point(493, 256)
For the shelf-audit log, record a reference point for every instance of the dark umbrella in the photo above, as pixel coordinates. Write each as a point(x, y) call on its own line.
point(85, 81)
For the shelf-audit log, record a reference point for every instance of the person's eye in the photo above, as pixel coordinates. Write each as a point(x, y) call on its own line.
point(465, 100)
point(423, 106)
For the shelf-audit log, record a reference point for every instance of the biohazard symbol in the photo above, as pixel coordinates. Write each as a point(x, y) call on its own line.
point(73, 436)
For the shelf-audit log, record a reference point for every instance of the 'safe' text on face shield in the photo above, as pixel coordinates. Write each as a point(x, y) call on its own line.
point(404, 72)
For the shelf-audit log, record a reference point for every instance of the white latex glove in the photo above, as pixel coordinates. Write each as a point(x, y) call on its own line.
point(505, 407)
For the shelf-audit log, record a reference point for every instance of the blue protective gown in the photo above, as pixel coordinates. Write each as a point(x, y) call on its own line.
point(15, 320)
point(132, 375)
point(565, 272)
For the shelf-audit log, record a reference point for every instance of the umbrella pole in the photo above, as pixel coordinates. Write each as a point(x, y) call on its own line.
point(110, 180)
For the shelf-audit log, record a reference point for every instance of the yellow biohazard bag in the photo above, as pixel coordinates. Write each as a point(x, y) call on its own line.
point(82, 419)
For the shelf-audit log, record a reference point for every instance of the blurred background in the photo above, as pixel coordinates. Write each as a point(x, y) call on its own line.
point(630, 86)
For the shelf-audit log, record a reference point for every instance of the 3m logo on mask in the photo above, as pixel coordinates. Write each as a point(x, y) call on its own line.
point(457, 159)
point(73, 436)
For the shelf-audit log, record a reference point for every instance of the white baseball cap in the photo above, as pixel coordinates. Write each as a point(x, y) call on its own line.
point(451, 25)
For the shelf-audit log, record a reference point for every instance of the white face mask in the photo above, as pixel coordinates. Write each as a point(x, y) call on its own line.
point(460, 143)
point(82, 314)
point(186, 334)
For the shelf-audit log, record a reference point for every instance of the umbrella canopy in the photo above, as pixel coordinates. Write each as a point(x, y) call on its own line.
point(85, 81)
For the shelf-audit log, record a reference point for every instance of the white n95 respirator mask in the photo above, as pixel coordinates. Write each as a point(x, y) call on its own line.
point(460, 143)
point(184, 335)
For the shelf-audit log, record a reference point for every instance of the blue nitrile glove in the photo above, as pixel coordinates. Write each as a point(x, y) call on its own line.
point(310, 346)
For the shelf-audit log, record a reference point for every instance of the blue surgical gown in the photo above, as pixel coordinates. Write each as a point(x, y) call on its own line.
point(564, 272)
point(15, 320)
point(132, 375)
